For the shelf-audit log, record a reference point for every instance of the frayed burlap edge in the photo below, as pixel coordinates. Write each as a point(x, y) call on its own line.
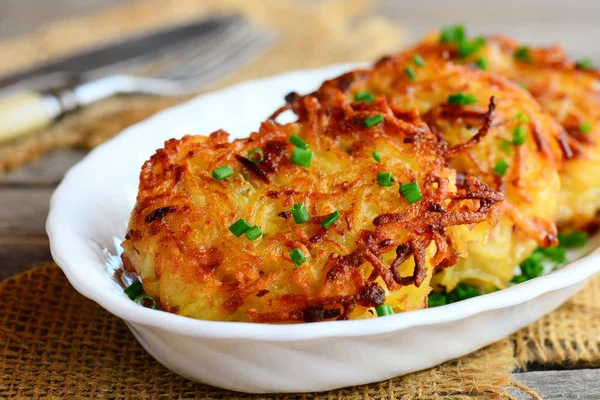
point(54, 343)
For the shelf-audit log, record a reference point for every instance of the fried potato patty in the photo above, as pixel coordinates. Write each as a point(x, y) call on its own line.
point(382, 249)
point(455, 101)
point(568, 91)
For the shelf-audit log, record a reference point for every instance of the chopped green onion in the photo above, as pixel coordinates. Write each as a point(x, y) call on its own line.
point(436, 300)
point(410, 72)
point(586, 128)
point(523, 53)
point(296, 141)
point(573, 239)
point(466, 48)
point(523, 85)
point(465, 291)
point(302, 157)
point(140, 300)
point(330, 220)
point(383, 310)
point(506, 145)
point(297, 257)
point(518, 279)
point(365, 96)
point(482, 63)
point(519, 135)
point(239, 227)
point(256, 155)
point(522, 118)
point(557, 254)
point(418, 60)
point(454, 33)
point(374, 120)
point(532, 268)
point(585, 64)
point(223, 172)
point(462, 99)
point(385, 179)
point(300, 213)
point(254, 233)
point(501, 167)
point(134, 290)
point(376, 156)
point(411, 191)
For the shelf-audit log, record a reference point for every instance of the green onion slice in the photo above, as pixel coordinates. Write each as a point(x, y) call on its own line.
point(523, 53)
point(376, 156)
point(223, 172)
point(462, 99)
point(418, 60)
point(300, 213)
point(365, 96)
point(454, 33)
point(256, 155)
point(384, 309)
point(506, 145)
point(519, 135)
point(501, 167)
point(302, 157)
point(134, 290)
point(296, 141)
point(585, 64)
point(523, 118)
point(254, 233)
point(144, 299)
point(385, 179)
point(586, 128)
point(411, 192)
point(482, 63)
point(239, 227)
point(374, 120)
point(410, 72)
point(297, 257)
point(330, 220)
point(573, 239)
point(465, 291)
point(466, 47)
point(436, 300)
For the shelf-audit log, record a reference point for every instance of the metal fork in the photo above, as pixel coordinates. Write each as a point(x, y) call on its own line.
point(181, 69)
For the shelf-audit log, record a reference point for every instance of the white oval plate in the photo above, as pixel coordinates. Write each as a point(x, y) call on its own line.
point(87, 221)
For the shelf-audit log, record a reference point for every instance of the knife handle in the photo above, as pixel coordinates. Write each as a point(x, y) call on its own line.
point(25, 112)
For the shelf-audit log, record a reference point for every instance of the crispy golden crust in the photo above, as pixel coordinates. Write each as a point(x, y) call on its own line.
point(531, 183)
point(382, 249)
point(568, 92)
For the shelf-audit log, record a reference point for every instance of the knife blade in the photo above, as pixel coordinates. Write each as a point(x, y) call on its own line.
point(135, 48)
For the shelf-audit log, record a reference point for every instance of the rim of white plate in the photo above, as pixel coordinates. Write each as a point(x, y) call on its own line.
point(63, 238)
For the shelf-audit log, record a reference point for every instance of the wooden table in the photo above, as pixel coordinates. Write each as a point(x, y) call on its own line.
point(24, 194)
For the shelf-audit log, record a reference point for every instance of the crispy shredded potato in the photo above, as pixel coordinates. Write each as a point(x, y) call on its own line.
point(475, 137)
point(568, 91)
point(381, 250)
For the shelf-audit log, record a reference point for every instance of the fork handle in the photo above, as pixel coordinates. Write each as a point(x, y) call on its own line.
point(25, 112)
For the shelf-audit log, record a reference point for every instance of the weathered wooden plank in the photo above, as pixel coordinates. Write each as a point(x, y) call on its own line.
point(20, 254)
point(49, 170)
point(23, 211)
point(566, 384)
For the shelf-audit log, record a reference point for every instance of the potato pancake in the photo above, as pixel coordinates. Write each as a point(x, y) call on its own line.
point(343, 215)
point(567, 90)
point(518, 155)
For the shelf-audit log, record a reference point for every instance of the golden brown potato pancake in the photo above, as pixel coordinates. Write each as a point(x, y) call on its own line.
point(454, 101)
point(382, 249)
point(569, 91)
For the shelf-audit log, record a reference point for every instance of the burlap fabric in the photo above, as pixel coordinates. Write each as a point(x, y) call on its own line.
point(56, 344)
